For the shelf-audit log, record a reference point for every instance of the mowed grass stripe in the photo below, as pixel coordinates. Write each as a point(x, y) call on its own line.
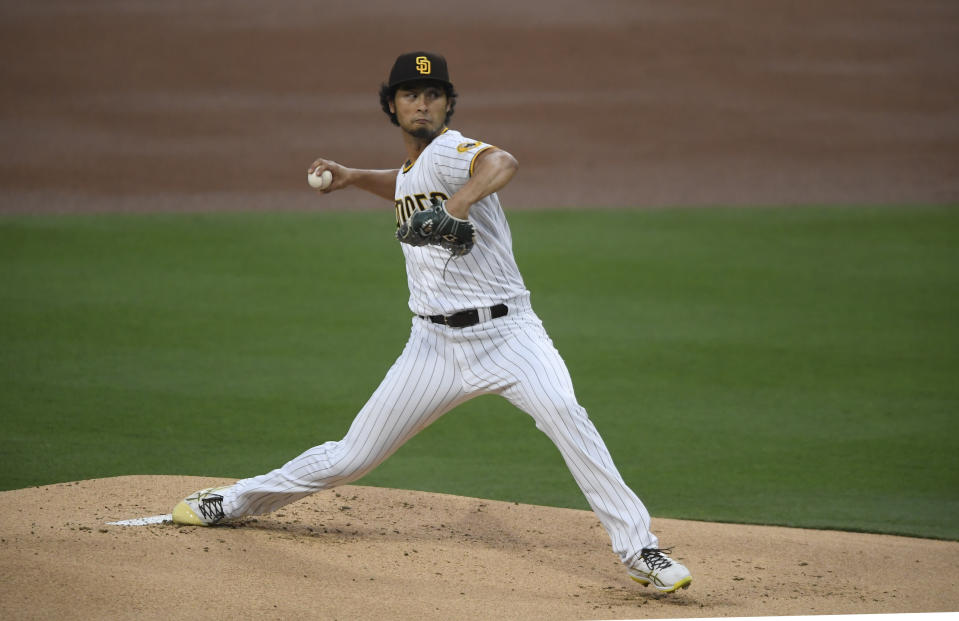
point(787, 366)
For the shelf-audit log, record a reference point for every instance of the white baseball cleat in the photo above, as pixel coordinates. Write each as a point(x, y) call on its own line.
point(655, 568)
point(202, 508)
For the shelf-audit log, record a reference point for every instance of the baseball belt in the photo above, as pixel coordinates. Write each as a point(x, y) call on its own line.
point(469, 317)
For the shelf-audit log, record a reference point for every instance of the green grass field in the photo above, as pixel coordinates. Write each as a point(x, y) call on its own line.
point(780, 366)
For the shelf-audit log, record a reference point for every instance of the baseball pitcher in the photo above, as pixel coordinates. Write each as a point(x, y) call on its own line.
point(473, 329)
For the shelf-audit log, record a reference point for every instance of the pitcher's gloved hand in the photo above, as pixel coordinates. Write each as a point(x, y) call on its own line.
point(435, 226)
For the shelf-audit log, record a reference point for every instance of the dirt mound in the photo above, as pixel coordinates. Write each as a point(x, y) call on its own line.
point(371, 553)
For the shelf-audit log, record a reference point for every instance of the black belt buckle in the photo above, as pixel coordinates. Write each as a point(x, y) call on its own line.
point(463, 319)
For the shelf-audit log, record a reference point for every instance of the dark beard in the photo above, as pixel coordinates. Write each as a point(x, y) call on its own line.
point(424, 133)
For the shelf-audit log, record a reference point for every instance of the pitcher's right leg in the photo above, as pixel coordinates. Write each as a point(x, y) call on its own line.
point(422, 385)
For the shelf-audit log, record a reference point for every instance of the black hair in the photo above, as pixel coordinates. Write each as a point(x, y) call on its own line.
point(387, 94)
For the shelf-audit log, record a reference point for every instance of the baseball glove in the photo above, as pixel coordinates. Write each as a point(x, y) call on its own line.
point(435, 226)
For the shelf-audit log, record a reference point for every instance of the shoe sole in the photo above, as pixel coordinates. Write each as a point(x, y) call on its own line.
point(682, 584)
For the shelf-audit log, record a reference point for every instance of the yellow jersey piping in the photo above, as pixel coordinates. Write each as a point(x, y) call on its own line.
point(409, 163)
point(476, 155)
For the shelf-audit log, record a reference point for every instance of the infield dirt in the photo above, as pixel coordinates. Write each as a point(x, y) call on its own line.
point(371, 553)
point(179, 105)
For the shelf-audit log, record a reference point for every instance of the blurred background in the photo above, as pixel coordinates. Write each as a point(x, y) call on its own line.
point(222, 104)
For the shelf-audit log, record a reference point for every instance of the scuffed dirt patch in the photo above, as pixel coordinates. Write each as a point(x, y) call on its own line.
point(371, 553)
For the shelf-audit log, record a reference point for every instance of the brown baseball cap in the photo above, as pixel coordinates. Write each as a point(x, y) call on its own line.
point(419, 66)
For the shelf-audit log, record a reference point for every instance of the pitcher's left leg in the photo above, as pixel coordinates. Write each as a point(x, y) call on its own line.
point(542, 387)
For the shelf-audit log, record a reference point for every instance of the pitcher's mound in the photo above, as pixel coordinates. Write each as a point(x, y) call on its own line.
point(371, 553)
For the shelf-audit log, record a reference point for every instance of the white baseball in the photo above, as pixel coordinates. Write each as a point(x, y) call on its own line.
point(320, 182)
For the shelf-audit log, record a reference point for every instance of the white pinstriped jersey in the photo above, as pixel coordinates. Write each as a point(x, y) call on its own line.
point(442, 367)
point(488, 275)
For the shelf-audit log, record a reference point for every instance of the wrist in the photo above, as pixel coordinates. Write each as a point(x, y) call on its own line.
point(457, 209)
point(349, 176)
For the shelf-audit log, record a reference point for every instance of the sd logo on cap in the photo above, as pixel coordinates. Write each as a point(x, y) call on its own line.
point(423, 65)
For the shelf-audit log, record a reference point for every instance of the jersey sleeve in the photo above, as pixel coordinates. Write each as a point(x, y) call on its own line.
point(456, 158)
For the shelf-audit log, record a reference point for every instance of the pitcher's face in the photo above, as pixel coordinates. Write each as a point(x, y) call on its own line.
point(421, 109)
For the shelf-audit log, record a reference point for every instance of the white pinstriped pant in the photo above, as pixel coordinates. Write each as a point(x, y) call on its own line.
point(440, 368)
